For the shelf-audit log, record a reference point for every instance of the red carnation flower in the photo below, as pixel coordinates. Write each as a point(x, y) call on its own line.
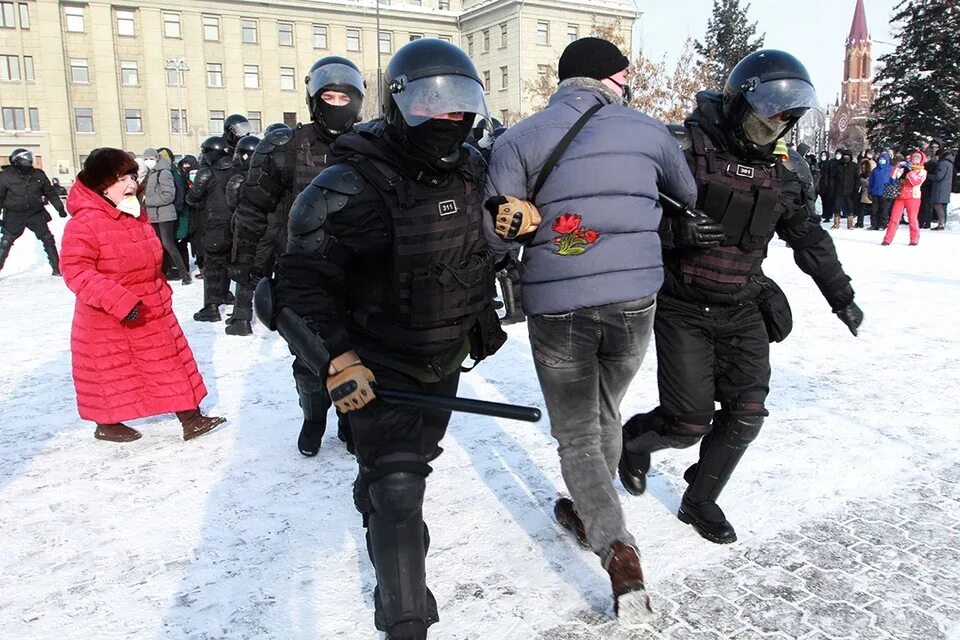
point(567, 223)
point(591, 236)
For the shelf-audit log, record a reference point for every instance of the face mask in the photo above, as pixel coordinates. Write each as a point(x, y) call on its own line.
point(882, 161)
point(837, 156)
point(193, 175)
point(845, 160)
point(823, 158)
point(150, 163)
point(762, 131)
point(626, 93)
point(130, 205)
point(337, 120)
point(436, 139)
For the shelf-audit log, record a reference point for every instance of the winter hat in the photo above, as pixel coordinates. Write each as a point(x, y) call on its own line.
point(591, 58)
point(104, 166)
point(150, 152)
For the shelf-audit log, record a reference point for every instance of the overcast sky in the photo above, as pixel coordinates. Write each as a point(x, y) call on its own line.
point(813, 30)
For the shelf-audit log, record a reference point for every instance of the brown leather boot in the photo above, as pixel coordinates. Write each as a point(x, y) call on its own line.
point(567, 517)
point(196, 424)
point(836, 222)
point(116, 432)
point(630, 600)
point(851, 222)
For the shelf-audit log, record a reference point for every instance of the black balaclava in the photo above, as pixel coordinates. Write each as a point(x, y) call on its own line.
point(436, 139)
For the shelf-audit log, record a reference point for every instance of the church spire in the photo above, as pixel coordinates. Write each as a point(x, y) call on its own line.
point(858, 30)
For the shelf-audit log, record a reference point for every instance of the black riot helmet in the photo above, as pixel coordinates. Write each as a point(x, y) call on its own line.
point(235, 127)
point(244, 150)
point(21, 158)
point(274, 127)
point(334, 73)
point(214, 148)
point(425, 79)
point(765, 95)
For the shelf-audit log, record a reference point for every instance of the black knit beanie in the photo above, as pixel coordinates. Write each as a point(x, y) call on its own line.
point(591, 58)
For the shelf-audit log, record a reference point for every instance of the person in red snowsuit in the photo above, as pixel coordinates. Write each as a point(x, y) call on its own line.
point(913, 175)
point(130, 357)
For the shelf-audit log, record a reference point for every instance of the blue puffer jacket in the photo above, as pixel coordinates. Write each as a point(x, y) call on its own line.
point(880, 175)
point(598, 242)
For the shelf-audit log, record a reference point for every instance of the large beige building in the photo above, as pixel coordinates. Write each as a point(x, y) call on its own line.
point(78, 75)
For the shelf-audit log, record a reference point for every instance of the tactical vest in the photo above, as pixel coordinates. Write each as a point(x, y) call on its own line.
point(311, 157)
point(441, 273)
point(743, 195)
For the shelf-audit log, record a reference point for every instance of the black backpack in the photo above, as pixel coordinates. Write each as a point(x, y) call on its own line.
point(180, 198)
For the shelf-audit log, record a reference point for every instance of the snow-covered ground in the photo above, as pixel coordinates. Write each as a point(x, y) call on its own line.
point(847, 506)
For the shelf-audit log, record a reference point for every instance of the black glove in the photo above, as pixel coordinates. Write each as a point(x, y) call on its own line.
point(851, 315)
point(63, 213)
point(694, 229)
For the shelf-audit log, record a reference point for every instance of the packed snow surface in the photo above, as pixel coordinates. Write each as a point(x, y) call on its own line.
point(847, 505)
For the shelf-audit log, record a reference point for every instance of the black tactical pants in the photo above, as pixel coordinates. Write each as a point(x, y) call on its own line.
point(216, 250)
point(15, 223)
point(394, 444)
point(707, 354)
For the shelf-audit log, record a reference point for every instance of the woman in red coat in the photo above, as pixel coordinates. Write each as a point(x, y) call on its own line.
point(130, 357)
point(912, 176)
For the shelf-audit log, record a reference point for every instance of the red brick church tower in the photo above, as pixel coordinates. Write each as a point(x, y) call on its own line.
point(848, 125)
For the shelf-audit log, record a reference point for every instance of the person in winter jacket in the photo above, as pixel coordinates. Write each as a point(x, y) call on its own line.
point(940, 188)
point(130, 357)
point(160, 192)
point(591, 270)
point(932, 151)
point(846, 182)
point(864, 203)
point(828, 185)
point(912, 175)
point(189, 165)
point(880, 207)
point(24, 191)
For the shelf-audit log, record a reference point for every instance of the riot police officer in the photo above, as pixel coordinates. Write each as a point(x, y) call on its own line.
point(24, 191)
point(717, 313)
point(282, 166)
point(236, 127)
point(208, 196)
point(387, 263)
point(238, 324)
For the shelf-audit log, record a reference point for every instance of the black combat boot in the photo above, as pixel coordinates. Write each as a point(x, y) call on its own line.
point(50, 246)
point(209, 313)
point(315, 402)
point(238, 324)
point(6, 243)
point(236, 327)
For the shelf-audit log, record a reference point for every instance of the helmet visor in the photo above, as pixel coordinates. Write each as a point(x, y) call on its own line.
point(241, 129)
point(334, 75)
point(425, 98)
point(24, 157)
point(789, 96)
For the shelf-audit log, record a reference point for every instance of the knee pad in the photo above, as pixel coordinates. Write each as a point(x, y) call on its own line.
point(397, 496)
point(740, 428)
point(686, 430)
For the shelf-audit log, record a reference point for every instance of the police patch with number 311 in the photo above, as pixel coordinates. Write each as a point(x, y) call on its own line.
point(448, 207)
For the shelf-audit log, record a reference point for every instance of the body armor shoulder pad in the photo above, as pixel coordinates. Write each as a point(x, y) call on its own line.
point(273, 140)
point(326, 195)
point(797, 165)
point(681, 136)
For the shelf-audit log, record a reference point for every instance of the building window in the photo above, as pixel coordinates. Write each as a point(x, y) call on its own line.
point(248, 29)
point(504, 116)
point(214, 75)
point(28, 74)
point(543, 33)
point(285, 34)
point(444, 5)
point(129, 73)
point(171, 25)
point(386, 42)
point(211, 28)
point(251, 76)
point(13, 119)
point(8, 19)
point(416, 3)
point(25, 19)
point(503, 35)
point(486, 40)
point(290, 118)
point(174, 77)
point(74, 18)
point(10, 68)
point(573, 33)
point(126, 23)
point(486, 82)
point(470, 45)
point(34, 119)
point(79, 71)
point(178, 120)
point(353, 39)
point(254, 118)
point(504, 78)
point(543, 69)
point(319, 36)
point(287, 79)
point(83, 118)
point(133, 120)
point(444, 38)
point(415, 36)
point(216, 122)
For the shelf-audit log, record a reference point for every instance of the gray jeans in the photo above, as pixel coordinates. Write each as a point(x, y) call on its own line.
point(585, 361)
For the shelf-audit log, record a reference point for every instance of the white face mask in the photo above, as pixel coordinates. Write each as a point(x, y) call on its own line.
point(193, 175)
point(838, 156)
point(150, 163)
point(130, 205)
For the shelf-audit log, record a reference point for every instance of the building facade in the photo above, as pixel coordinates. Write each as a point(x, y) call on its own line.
point(75, 76)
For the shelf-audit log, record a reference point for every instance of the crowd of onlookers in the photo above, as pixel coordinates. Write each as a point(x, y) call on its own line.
point(911, 187)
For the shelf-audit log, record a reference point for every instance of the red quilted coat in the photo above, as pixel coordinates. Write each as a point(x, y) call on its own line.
point(111, 260)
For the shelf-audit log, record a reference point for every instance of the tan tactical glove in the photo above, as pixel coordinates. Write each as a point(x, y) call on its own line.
point(348, 383)
point(513, 217)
